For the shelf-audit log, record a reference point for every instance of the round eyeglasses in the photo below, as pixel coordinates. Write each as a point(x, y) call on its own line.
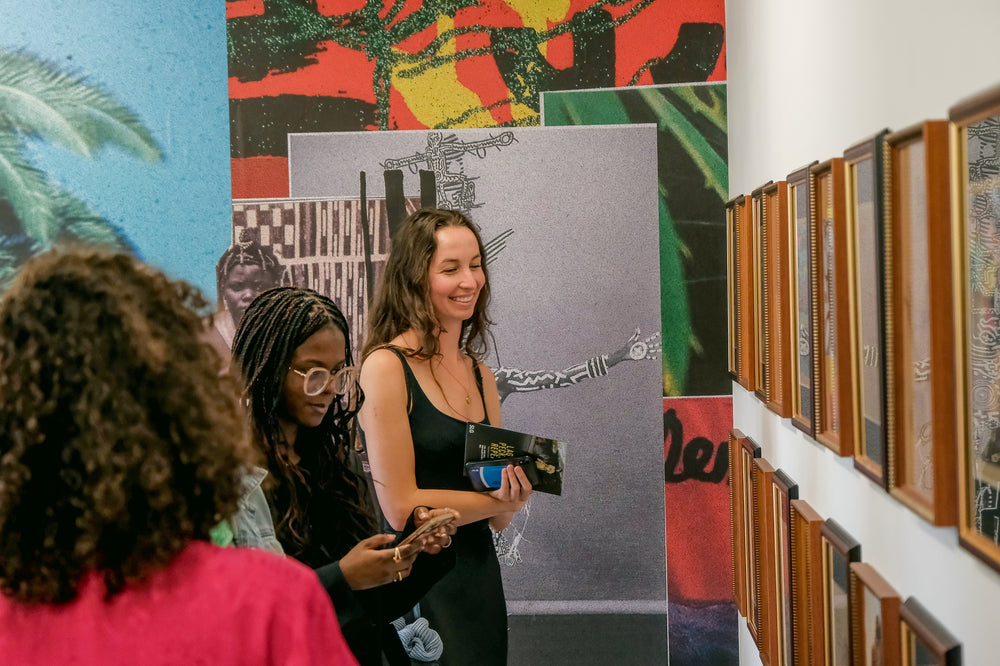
point(316, 380)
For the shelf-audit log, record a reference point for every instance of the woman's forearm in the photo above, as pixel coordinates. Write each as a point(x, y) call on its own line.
point(472, 506)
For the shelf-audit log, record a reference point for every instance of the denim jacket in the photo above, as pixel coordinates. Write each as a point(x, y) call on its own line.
point(252, 524)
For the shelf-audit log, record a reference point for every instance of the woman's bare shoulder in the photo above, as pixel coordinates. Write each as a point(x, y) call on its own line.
point(486, 372)
point(381, 361)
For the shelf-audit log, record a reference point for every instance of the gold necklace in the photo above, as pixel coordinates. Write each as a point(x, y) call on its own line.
point(468, 396)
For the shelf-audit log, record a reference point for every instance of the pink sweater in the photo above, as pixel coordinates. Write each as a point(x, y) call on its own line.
point(212, 606)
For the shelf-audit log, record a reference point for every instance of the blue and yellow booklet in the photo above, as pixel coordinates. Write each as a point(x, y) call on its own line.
point(489, 449)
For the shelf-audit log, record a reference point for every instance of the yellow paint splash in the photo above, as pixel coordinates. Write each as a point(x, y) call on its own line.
point(538, 13)
point(436, 97)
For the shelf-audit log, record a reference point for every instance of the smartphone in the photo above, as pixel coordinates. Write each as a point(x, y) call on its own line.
point(428, 526)
point(486, 474)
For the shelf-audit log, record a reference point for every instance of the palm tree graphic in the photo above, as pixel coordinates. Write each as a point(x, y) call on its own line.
point(38, 100)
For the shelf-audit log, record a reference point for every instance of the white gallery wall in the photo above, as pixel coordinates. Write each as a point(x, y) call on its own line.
point(808, 79)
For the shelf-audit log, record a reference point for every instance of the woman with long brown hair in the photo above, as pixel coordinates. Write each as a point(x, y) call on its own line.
point(424, 379)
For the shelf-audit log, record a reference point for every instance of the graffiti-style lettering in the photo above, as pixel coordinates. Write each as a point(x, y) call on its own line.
point(694, 456)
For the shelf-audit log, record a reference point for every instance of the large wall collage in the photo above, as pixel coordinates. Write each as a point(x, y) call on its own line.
point(863, 300)
point(586, 138)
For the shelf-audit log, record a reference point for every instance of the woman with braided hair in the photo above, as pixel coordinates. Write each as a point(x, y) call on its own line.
point(120, 450)
point(293, 352)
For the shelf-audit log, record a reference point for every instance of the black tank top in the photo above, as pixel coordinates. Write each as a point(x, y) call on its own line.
point(438, 439)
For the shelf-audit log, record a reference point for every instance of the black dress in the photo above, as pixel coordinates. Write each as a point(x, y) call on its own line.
point(365, 616)
point(466, 607)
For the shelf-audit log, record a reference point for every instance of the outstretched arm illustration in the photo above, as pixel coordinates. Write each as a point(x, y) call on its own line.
point(511, 380)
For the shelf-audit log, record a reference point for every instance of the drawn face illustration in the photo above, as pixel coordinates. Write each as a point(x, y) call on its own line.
point(456, 274)
point(242, 285)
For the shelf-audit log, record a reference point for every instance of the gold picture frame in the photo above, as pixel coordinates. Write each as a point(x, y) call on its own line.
point(921, 387)
point(767, 609)
point(802, 267)
point(840, 549)
point(923, 640)
point(833, 353)
point(780, 340)
point(874, 618)
point(761, 269)
point(737, 531)
point(975, 136)
point(864, 180)
point(732, 288)
point(782, 491)
point(805, 528)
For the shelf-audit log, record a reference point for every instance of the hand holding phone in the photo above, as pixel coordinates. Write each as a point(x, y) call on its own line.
point(487, 474)
point(428, 526)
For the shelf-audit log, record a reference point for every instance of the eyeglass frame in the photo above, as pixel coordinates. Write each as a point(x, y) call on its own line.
point(348, 369)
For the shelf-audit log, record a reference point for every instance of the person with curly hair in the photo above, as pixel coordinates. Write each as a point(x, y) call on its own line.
point(424, 379)
point(120, 451)
point(293, 352)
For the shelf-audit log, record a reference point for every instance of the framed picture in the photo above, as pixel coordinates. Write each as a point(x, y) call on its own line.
point(782, 491)
point(874, 618)
point(923, 641)
point(921, 387)
point(839, 551)
point(976, 140)
point(766, 615)
point(802, 263)
point(832, 355)
point(745, 292)
point(780, 336)
point(737, 531)
point(805, 527)
point(751, 527)
point(761, 267)
point(863, 164)
point(732, 290)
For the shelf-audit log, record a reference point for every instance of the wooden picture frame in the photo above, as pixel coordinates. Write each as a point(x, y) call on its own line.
point(766, 615)
point(923, 640)
point(975, 133)
point(802, 264)
point(782, 491)
point(745, 451)
point(921, 387)
point(864, 180)
point(874, 618)
point(805, 528)
point(747, 259)
point(737, 534)
point(761, 267)
point(732, 289)
point(750, 453)
point(746, 306)
point(840, 549)
point(779, 339)
point(833, 355)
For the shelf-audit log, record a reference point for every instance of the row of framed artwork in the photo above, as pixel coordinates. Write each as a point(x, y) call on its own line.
point(864, 300)
point(801, 585)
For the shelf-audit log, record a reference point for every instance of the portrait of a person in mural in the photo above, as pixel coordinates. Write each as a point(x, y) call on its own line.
point(242, 272)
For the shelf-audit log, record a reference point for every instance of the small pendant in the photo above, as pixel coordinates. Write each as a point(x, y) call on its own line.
point(468, 399)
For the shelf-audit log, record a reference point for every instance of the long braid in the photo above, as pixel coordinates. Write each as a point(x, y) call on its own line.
point(275, 324)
